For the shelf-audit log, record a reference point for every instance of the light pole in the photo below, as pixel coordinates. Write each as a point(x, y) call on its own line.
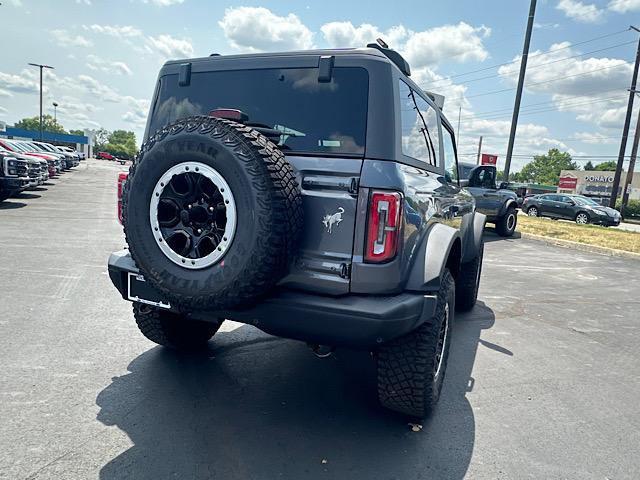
point(41, 67)
point(55, 112)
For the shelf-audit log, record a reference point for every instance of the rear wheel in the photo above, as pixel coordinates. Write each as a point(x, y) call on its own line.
point(173, 330)
point(533, 212)
point(468, 282)
point(582, 218)
point(411, 368)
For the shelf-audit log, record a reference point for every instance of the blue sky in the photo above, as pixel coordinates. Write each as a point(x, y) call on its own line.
point(107, 54)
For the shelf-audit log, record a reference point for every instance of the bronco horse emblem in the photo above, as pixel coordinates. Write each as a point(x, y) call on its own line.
point(331, 220)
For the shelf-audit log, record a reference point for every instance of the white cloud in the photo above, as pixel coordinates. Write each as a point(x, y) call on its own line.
point(15, 3)
point(5, 93)
point(65, 39)
point(18, 83)
point(624, 6)
point(164, 3)
point(114, 30)
point(461, 42)
point(169, 47)
point(345, 34)
point(579, 11)
point(83, 2)
point(3, 110)
point(97, 89)
point(256, 29)
point(107, 66)
point(595, 138)
point(576, 83)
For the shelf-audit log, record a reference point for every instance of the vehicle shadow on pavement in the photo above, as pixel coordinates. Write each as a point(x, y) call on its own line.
point(490, 235)
point(27, 196)
point(255, 406)
point(11, 205)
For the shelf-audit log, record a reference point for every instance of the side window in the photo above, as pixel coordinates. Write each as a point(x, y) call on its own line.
point(419, 121)
point(450, 159)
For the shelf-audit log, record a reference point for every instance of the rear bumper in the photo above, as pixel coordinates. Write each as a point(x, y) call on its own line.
point(358, 321)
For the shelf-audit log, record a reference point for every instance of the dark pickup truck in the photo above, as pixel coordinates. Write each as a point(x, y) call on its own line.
point(13, 175)
point(497, 202)
point(314, 195)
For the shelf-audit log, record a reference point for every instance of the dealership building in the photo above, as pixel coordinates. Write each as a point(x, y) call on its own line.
point(596, 184)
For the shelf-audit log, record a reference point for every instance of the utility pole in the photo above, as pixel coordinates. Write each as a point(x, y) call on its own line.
point(516, 107)
point(479, 150)
point(632, 166)
point(55, 112)
point(625, 129)
point(41, 67)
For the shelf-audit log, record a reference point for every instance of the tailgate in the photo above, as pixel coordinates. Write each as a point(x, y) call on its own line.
point(329, 197)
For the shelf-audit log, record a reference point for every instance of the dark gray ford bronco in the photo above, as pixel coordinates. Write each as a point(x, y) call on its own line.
point(312, 194)
point(495, 201)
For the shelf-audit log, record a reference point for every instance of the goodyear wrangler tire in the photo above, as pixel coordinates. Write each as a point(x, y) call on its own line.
point(212, 213)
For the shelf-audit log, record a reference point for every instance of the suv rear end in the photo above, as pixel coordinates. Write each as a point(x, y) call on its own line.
point(359, 210)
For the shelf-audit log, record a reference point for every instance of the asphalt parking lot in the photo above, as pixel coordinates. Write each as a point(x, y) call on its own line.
point(543, 378)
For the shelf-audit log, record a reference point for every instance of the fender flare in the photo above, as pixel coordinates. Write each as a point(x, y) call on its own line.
point(509, 203)
point(431, 260)
point(474, 230)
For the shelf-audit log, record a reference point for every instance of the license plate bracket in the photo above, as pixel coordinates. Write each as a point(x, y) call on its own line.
point(139, 290)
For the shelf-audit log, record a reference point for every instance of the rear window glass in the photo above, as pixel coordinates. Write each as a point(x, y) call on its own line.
point(313, 117)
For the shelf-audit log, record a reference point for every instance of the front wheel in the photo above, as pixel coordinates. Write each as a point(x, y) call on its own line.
point(506, 225)
point(411, 368)
point(173, 330)
point(582, 218)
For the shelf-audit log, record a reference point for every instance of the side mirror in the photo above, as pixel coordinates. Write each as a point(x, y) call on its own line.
point(503, 185)
point(464, 182)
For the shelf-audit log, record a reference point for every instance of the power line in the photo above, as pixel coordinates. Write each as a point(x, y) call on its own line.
point(497, 116)
point(545, 64)
point(546, 81)
point(508, 109)
point(533, 55)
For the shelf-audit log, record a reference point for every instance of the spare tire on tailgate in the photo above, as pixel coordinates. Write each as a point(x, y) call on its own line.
point(212, 212)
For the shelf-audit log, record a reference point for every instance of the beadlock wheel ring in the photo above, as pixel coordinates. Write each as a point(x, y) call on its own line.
point(204, 212)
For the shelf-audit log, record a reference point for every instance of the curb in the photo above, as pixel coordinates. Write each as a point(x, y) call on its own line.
point(611, 252)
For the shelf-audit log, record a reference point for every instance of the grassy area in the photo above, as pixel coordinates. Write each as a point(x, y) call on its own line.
point(588, 234)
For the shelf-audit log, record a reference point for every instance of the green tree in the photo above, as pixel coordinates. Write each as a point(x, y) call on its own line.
point(121, 144)
point(76, 132)
point(546, 168)
point(33, 124)
point(588, 166)
point(608, 166)
point(101, 139)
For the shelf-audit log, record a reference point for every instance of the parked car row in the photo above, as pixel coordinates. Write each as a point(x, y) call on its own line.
point(28, 164)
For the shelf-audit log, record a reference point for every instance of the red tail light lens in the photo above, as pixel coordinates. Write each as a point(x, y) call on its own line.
point(383, 228)
point(122, 178)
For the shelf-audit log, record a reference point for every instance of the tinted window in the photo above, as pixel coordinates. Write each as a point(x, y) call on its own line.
point(419, 123)
point(450, 160)
point(318, 117)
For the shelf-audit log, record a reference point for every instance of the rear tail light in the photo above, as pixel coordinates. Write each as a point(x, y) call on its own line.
point(383, 228)
point(122, 178)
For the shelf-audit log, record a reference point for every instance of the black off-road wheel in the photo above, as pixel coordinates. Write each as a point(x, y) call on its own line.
point(212, 213)
point(411, 369)
point(506, 225)
point(173, 330)
point(468, 282)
